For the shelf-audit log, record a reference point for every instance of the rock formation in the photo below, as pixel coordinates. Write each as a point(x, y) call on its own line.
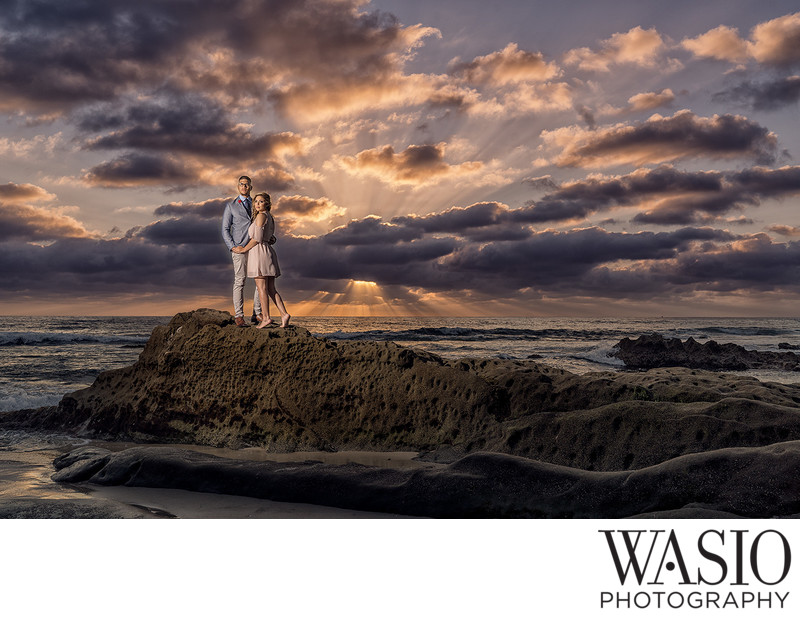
point(202, 380)
point(654, 351)
point(745, 482)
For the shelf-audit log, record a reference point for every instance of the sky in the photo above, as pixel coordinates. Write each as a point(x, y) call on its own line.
point(437, 157)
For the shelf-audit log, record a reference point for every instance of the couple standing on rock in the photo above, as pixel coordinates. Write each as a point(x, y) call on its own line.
point(248, 231)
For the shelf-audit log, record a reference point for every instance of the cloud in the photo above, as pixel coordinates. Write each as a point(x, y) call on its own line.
point(416, 166)
point(651, 100)
point(542, 182)
point(180, 140)
point(139, 169)
point(637, 46)
point(437, 253)
point(271, 177)
point(184, 230)
point(644, 101)
point(187, 124)
point(549, 257)
point(11, 192)
point(208, 209)
point(348, 95)
point(665, 195)
point(775, 43)
point(663, 139)
point(785, 230)
point(36, 147)
point(307, 208)
point(721, 43)
point(62, 55)
point(371, 230)
point(135, 169)
point(694, 209)
point(779, 182)
point(767, 95)
point(19, 221)
point(581, 199)
point(510, 65)
point(482, 222)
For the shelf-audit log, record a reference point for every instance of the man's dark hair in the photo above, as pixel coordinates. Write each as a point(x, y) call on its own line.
point(245, 178)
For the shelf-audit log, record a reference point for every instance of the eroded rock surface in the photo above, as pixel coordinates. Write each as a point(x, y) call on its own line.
point(202, 380)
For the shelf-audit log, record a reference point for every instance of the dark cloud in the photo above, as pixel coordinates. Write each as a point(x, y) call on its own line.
point(681, 136)
point(695, 209)
point(371, 230)
point(587, 116)
point(542, 182)
point(185, 123)
point(756, 263)
point(456, 220)
point(186, 252)
point(136, 169)
point(666, 195)
point(184, 230)
point(415, 165)
point(481, 222)
point(553, 256)
point(402, 253)
point(303, 207)
point(180, 140)
point(579, 200)
point(769, 182)
point(768, 95)
point(64, 53)
point(209, 209)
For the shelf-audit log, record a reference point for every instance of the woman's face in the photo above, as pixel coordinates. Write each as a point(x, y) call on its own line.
point(260, 204)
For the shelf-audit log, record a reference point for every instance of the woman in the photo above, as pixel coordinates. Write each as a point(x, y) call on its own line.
point(262, 262)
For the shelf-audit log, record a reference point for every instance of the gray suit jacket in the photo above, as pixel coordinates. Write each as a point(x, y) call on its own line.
point(235, 223)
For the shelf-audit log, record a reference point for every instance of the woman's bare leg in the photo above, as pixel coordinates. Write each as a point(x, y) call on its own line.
point(263, 296)
point(276, 298)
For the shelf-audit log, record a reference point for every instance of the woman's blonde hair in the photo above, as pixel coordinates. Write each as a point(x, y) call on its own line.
point(266, 198)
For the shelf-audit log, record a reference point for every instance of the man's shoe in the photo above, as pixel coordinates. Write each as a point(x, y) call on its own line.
point(240, 322)
point(254, 318)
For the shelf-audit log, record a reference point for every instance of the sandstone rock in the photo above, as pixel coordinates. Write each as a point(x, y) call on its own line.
point(202, 380)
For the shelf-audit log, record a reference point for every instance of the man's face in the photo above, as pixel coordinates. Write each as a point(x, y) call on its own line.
point(244, 187)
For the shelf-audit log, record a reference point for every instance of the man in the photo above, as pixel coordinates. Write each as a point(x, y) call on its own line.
point(235, 224)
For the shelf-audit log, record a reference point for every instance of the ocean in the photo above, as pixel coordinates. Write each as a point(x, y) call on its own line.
point(44, 358)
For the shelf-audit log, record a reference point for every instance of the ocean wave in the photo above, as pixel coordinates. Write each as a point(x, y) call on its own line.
point(600, 356)
point(469, 334)
point(747, 331)
point(19, 399)
point(42, 339)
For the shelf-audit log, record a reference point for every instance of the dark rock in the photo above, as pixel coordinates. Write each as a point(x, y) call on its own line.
point(654, 351)
point(727, 482)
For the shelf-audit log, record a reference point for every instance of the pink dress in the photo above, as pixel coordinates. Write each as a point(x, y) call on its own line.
point(261, 259)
